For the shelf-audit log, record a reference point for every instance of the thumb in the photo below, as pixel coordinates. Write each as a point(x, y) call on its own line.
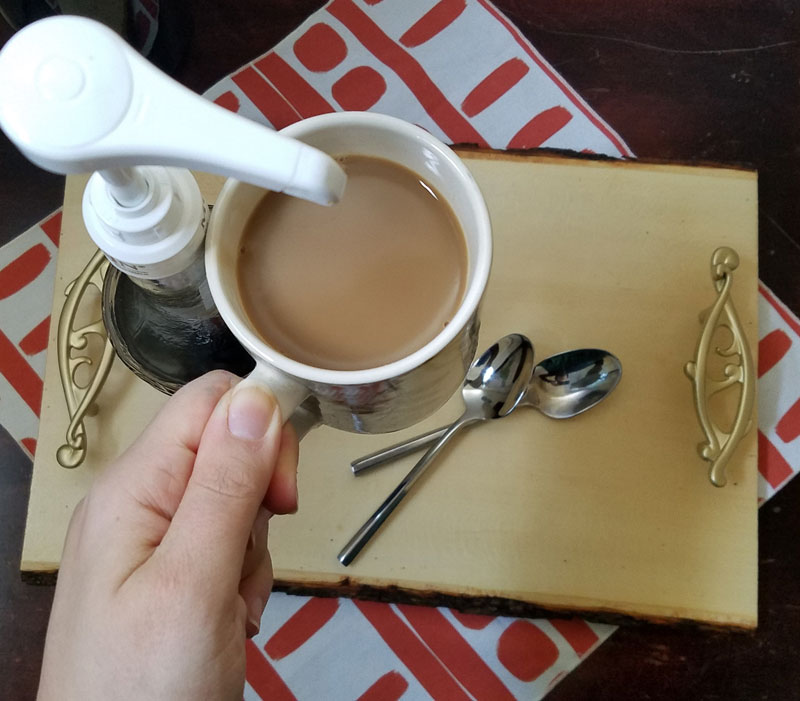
point(235, 462)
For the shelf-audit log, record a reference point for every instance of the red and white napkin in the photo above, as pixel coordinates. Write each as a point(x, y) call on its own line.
point(461, 70)
point(458, 68)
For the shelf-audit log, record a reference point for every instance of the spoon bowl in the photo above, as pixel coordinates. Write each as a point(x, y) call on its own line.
point(499, 379)
point(567, 384)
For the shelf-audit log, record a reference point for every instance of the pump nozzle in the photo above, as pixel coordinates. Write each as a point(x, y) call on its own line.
point(127, 186)
point(74, 97)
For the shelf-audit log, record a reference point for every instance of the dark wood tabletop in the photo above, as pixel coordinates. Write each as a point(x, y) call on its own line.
point(689, 80)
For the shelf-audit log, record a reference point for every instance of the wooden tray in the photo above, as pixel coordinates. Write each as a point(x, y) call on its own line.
point(607, 514)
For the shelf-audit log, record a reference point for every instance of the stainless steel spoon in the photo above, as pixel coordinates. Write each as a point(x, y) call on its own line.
point(495, 384)
point(562, 386)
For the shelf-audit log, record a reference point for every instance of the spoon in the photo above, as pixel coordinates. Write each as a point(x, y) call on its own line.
point(563, 385)
point(494, 385)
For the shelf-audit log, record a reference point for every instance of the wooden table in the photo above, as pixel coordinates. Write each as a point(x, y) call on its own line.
point(691, 81)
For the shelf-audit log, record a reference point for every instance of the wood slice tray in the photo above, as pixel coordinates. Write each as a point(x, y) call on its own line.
point(610, 514)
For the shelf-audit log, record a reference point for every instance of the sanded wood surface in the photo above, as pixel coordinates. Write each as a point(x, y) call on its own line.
point(608, 513)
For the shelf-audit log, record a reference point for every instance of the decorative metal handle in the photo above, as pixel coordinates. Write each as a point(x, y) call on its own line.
point(720, 444)
point(80, 396)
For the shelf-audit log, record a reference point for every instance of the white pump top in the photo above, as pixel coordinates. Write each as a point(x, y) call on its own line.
point(75, 98)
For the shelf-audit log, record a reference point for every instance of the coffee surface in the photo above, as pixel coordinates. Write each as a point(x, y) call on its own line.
point(357, 285)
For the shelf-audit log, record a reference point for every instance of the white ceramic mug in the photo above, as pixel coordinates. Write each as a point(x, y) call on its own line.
point(392, 396)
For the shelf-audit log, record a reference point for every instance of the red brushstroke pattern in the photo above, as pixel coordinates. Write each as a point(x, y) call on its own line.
point(36, 340)
point(320, 49)
point(305, 622)
point(473, 621)
point(263, 677)
point(359, 89)
point(268, 100)
point(788, 428)
point(771, 349)
point(577, 633)
point(555, 78)
point(425, 667)
point(23, 270)
point(439, 17)
point(390, 687)
point(778, 306)
point(30, 445)
point(21, 376)
point(526, 651)
point(771, 464)
point(456, 653)
point(229, 101)
point(432, 100)
point(541, 128)
point(494, 86)
point(300, 94)
point(52, 227)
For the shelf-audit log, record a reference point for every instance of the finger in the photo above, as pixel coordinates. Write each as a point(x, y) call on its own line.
point(72, 551)
point(154, 470)
point(128, 509)
point(282, 492)
point(256, 548)
point(234, 464)
point(255, 590)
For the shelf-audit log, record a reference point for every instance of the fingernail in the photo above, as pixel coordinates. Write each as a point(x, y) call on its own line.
point(252, 628)
point(250, 413)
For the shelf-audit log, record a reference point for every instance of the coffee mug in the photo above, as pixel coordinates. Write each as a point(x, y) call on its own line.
point(402, 392)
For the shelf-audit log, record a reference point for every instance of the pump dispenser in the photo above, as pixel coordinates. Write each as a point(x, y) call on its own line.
point(75, 98)
point(148, 220)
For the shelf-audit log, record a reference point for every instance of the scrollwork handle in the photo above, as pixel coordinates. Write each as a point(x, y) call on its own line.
point(80, 398)
point(720, 444)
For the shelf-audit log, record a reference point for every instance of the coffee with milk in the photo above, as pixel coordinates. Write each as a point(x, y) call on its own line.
point(357, 285)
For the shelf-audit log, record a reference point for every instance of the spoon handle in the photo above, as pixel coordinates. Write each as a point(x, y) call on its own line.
point(398, 450)
point(403, 448)
point(374, 522)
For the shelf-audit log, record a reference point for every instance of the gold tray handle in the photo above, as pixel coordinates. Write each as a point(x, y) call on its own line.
point(80, 397)
point(720, 444)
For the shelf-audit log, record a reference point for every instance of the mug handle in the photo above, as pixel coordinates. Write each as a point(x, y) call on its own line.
point(288, 392)
point(303, 419)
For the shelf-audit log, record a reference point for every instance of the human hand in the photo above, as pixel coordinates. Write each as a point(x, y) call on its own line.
point(165, 569)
